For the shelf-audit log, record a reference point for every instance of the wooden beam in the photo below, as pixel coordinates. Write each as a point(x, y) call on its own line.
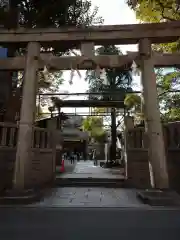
point(67, 63)
point(113, 34)
point(92, 103)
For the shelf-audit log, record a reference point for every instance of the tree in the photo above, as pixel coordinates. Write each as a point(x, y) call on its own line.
point(152, 11)
point(169, 104)
point(168, 81)
point(135, 106)
point(169, 95)
point(94, 126)
point(46, 13)
point(57, 104)
point(112, 85)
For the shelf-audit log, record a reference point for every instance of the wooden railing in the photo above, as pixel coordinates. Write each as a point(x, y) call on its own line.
point(172, 135)
point(41, 167)
point(8, 135)
point(137, 166)
point(136, 138)
point(42, 138)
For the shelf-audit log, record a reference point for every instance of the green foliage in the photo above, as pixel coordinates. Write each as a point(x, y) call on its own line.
point(168, 97)
point(113, 83)
point(151, 11)
point(48, 13)
point(94, 126)
point(43, 14)
point(135, 106)
point(133, 101)
point(169, 102)
point(156, 10)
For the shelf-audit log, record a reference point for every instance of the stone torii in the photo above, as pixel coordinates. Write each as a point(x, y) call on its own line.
point(156, 155)
point(143, 34)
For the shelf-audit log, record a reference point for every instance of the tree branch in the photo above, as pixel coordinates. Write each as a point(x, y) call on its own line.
point(163, 7)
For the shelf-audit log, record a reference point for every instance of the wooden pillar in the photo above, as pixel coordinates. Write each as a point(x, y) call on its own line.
point(157, 157)
point(27, 117)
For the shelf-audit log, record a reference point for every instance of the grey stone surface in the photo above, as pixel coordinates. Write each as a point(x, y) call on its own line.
point(86, 169)
point(99, 197)
point(88, 223)
point(89, 196)
point(89, 213)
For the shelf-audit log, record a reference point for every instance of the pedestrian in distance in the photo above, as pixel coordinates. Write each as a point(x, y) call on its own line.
point(72, 158)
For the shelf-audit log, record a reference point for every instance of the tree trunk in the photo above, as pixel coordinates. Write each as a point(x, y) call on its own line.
point(113, 134)
point(59, 119)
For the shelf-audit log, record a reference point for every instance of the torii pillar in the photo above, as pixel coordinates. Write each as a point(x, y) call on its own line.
point(27, 115)
point(156, 153)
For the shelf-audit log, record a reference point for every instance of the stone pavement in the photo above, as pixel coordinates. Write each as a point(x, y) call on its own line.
point(92, 197)
point(86, 169)
point(22, 223)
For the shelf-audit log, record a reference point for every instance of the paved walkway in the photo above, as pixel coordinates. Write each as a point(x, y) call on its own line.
point(92, 197)
point(90, 224)
point(86, 169)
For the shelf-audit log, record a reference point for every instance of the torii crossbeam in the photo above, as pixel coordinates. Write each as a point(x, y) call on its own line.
point(103, 61)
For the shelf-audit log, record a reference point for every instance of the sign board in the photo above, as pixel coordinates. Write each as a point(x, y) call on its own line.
point(3, 52)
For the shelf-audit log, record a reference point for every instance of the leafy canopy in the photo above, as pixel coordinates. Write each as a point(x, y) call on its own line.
point(112, 83)
point(48, 13)
point(94, 126)
point(151, 11)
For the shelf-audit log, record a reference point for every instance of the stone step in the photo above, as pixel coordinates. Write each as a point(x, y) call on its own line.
point(90, 182)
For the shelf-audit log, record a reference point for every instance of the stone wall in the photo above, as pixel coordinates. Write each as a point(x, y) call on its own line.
point(138, 168)
point(40, 170)
point(137, 156)
point(7, 159)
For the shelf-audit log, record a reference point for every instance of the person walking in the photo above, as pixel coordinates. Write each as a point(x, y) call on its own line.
point(72, 158)
point(78, 156)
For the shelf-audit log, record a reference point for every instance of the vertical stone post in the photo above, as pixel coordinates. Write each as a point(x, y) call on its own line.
point(27, 116)
point(87, 50)
point(157, 157)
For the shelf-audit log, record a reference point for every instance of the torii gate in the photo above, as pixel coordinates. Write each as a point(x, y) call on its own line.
point(143, 34)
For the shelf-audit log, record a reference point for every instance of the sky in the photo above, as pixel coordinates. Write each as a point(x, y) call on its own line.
point(113, 12)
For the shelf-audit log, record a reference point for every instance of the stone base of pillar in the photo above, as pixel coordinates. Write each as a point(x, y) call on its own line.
point(137, 169)
point(28, 196)
point(158, 197)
